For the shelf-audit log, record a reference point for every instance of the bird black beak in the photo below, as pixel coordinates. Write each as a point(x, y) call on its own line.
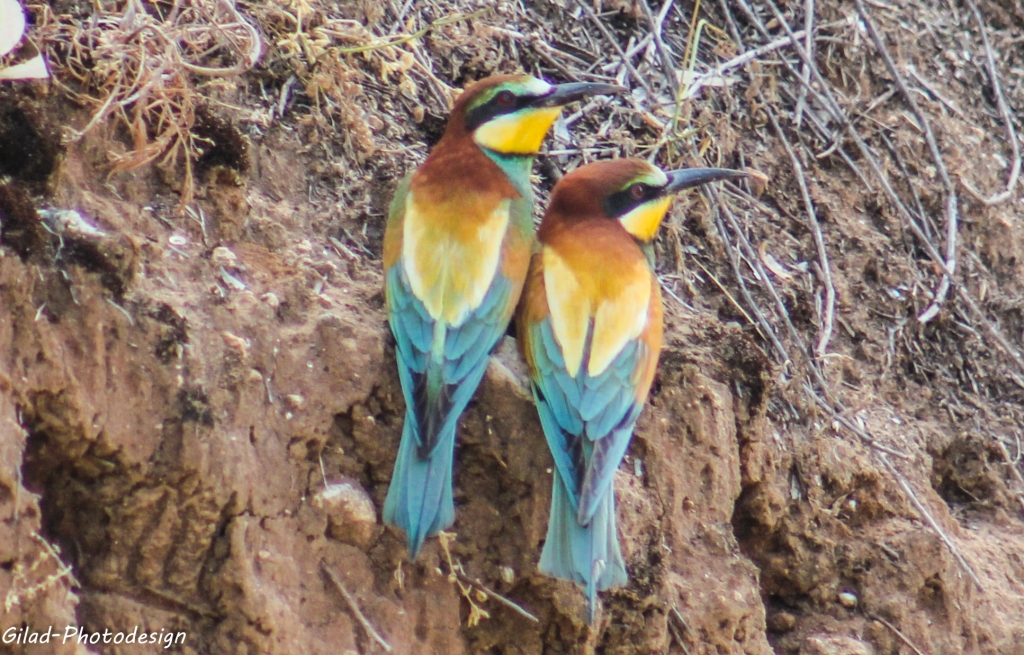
point(687, 178)
point(563, 94)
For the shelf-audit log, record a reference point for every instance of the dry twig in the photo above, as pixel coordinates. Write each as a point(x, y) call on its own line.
point(476, 613)
point(698, 81)
point(1004, 112)
point(806, 75)
point(828, 317)
point(1013, 469)
point(899, 634)
point(354, 607)
point(924, 512)
point(951, 201)
point(498, 597)
point(618, 49)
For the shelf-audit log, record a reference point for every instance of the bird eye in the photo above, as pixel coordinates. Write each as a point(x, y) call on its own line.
point(505, 98)
point(638, 191)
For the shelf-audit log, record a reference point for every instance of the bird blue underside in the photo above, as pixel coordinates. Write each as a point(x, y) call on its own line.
point(438, 380)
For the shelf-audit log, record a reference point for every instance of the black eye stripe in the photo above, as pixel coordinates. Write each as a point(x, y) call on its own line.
point(495, 107)
point(622, 202)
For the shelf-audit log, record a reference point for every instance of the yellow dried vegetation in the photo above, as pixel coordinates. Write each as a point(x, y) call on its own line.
point(333, 58)
point(136, 63)
point(33, 580)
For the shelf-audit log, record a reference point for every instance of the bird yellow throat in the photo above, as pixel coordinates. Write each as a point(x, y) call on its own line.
point(643, 221)
point(520, 133)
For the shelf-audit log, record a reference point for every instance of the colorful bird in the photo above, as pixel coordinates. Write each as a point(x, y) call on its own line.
point(456, 251)
point(589, 326)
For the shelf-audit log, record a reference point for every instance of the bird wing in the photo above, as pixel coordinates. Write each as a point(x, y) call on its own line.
point(588, 421)
point(588, 418)
point(445, 339)
point(441, 366)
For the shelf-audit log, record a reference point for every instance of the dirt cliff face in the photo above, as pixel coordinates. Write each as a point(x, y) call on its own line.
point(200, 409)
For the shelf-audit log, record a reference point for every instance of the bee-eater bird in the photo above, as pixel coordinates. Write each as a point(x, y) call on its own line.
point(456, 250)
point(589, 327)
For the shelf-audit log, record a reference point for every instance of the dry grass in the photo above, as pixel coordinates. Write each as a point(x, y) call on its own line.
point(137, 63)
point(39, 576)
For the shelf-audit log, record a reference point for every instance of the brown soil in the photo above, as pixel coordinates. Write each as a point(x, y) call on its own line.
point(172, 383)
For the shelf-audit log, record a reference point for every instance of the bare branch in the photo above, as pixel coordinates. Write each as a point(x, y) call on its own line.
point(1004, 111)
point(354, 607)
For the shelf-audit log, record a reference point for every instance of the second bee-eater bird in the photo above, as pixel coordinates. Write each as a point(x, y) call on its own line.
point(590, 326)
point(456, 251)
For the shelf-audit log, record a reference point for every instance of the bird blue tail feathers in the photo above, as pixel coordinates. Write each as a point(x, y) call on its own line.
point(419, 499)
point(420, 496)
point(588, 555)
